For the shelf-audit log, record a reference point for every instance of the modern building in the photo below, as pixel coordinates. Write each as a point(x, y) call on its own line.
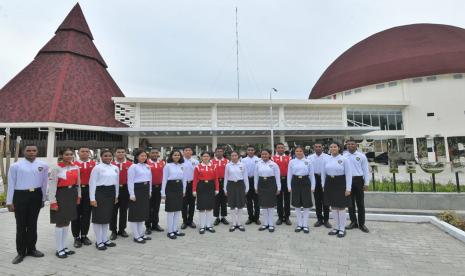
point(392, 89)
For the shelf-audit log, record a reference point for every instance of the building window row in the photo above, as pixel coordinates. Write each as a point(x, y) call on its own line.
point(384, 119)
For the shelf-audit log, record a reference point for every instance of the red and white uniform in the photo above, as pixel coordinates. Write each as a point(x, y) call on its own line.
point(123, 171)
point(205, 172)
point(63, 176)
point(220, 165)
point(283, 163)
point(156, 167)
point(85, 168)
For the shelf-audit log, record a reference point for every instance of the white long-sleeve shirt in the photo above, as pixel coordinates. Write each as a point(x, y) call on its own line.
point(173, 171)
point(25, 175)
point(137, 173)
point(103, 175)
point(359, 165)
point(300, 167)
point(61, 173)
point(235, 172)
point(267, 169)
point(318, 161)
point(337, 165)
point(250, 163)
point(189, 166)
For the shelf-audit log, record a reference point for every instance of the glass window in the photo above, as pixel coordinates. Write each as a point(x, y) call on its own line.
point(383, 121)
point(367, 118)
point(375, 119)
point(417, 80)
point(379, 86)
point(358, 90)
point(458, 76)
point(399, 121)
point(431, 78)
point(358, 117)
point(392, 122)
point(392, 83)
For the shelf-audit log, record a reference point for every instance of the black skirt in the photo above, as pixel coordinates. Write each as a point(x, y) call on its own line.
point(334, 192)
point(205, 195)
point(66, 199)
point(267, 192)
point(105, 197)
point(174, 196)
point(301, 192)
point(236, 194)
point(139, 209)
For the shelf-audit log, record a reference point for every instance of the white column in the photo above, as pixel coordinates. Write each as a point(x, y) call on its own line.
point(214, 142)
point(415, 150)
point(344, 116)
point(51, 145)
point(446, 147)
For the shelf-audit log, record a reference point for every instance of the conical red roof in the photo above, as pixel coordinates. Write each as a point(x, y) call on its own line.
point(67, 82)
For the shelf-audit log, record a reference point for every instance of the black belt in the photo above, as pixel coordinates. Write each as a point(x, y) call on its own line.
point(319, 174)
point(220, 179)
point(29, 190)
point(84, 186)
point(357, 177)
point(336, 176)
point(175, 180)
point(241, 180)
point(122, 185)
point(299, 176)
point(283, 177)
point(266, 178)
point(66, 187)
point(144, 183)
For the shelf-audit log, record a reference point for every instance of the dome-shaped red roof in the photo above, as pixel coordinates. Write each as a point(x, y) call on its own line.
point(398, 53)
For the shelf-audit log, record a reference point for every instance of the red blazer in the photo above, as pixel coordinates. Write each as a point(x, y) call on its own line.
point(205, 172)
point(123, 171)
point(85, 168)
point(220, 165)
point(283, 162)
point(157, 171)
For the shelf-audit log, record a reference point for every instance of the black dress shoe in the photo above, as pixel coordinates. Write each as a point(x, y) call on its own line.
point(172, 236)
point(211, 230)
point(113, 236)
point(258, 222)
point(36, 254)
point(328, 225)
point(341, 234)
point(139, 240)
point(298, 229)
point(69, 252)
point(18, 259)
point(288, 221)
point(202, 231)
point(318, 223)
point(85, 241)
point(364, 228)
point(179, 234)
point(146, 238)
point(148, 231)
point(192, 225)
point(183, 225)
point(232, 228)
point(157, 228)
point(352, 225)
point(61, 254)
point(241, 228)
point(109, 244)
point(224, 221)
point(101, 246)
point(333, 232)
point(306, 230)
point(77, 243)
point(263, 228)
point(123, 234)
point(248, 222)
point(271, 229)
point(279, 222)
point(217, 221)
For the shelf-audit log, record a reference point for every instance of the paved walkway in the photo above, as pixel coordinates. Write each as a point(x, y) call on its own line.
point(390, 249)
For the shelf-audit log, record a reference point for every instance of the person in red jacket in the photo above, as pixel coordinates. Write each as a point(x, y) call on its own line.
point(284, 197)
point(80, 226)
point(156, 166)
point(204, 187)
point(123, 196)
point(220, 199)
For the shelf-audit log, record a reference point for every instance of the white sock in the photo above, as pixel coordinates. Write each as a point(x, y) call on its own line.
point(298, 214)
point(202, 219)
point(270, 216)
point(175, 220)
point(65, 236)
point(135, 230)
point(98, 233)
point(104, 232)
point(209, 215)
point(233, 217)
point(59, 238)
point(342, 220)
point(238, 219)
point(305, 216)
point(169, 221)
point(140, 228)
point(336, 218)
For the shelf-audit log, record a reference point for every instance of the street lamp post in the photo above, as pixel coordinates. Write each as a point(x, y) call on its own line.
point(271, 119)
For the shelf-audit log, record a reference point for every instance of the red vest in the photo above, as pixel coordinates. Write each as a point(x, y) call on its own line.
point(157, 171)
point(202, 173)
point(71, 177)
point(123, 171)
point(283, 162)
point(85, 168)
point(220, 165)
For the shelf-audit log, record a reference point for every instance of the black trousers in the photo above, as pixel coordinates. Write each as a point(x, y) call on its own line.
point(358, 198)
point(155, 201)
point(27, 207)
point(253, 209)
point(322, 211)
point(80, 226)
point(188, 205)
point(122, 208)
point(284, 200)
point(221, 201)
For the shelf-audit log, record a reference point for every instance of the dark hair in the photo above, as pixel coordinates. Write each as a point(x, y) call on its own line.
point(206, 152)
point(61, 152)
point(350, 140)
point(120, 148)
point(250, 147)
point(318, 143)
point(136, 156)
point(157, 149)
point(299, 147)
point(267, 150)
point(30, 145)
point(219, 148)
point(84, 147)
point(338, 145)
point(278, 144)
point(170, 158)
point(105, 151)
point(234, 152)
point(188, 147)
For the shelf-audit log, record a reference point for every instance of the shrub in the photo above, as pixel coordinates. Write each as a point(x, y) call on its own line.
point(452, 218)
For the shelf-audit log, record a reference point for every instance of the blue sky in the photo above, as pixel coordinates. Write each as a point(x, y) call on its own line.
point(186, 48)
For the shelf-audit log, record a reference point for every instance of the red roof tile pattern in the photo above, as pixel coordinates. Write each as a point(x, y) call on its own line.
point(67, 82)
point(398, 53)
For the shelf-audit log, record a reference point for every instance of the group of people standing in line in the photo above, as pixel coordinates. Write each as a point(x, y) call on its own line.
point(116, 191)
